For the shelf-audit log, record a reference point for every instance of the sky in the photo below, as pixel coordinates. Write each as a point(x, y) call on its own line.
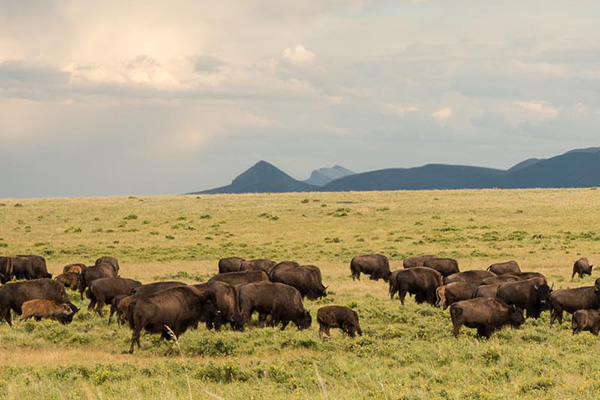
point(101, 98)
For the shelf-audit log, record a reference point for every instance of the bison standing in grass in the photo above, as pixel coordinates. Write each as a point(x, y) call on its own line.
point(261, 264)
point(586, 320)
point(484, 314)
point(338, 317)
point(533, 295)
point(417, 261)
point(474, 276)
point(421, 282)
point(230, 264)
point(582, 267)
point(571, 300)
point(48, 309)
point(508, 267)
point(69, 280)
point(451, 293)
point(240, 278)
point(90, 274)
point(228, 304)
point(445, 266)
point(305, 278)
point(377, 266)
point(102, 291)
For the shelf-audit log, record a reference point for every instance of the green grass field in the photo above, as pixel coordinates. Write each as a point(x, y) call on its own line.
point(405, 352)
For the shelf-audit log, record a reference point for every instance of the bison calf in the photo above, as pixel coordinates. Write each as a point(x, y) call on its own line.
point(46, 309)
point(484, 314)
point(338, 317)
point(582, 267)
point(586, 320)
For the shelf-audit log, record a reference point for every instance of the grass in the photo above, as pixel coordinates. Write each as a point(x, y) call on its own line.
point(405, 352)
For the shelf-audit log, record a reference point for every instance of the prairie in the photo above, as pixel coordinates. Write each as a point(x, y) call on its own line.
point(405, 352)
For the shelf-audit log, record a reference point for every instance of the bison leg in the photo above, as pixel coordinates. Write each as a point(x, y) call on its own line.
point(402, 296)
point(456, 328)
point(135, 338)
point(284, 324)
point(99, 305)
point(485, 331)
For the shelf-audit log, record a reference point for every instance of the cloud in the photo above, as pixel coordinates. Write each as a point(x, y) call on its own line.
point(398, 109)
point(442, 114)
point(541, 108)
point(298, 55)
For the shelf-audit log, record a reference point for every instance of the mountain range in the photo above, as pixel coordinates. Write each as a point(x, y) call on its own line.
point(576, 168)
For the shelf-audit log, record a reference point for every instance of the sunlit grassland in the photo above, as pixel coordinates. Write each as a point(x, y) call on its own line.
point(406, 352)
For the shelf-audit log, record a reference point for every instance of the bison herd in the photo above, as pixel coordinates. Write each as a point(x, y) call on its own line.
point(482, 299)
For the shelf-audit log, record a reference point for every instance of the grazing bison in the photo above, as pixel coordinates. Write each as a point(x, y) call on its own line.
point(571, 300)
point(13, 295)
point(282, 302)
point(582, 267)
point(484, 314)
point(110, 261)
point(445, 266)
point(171, 310)
point(230, 264)
point(102, 291)
point(451, 293)
point(38, 266)
point(307, 279)
point(69, 280)
point(227, 302)
point(261, 264)
point(74, 268)
point(421, 282)
point(154, 287)
point(508, 267)
point(533, 295)
point(240, 278)
point(90, 274)
point(338, 317)
point(487, 290)
point(47, 309)
point(416, 261)
point(473, 276)
point(500, 279)
point(377, 266)
point(6, 269)
point(586, 320)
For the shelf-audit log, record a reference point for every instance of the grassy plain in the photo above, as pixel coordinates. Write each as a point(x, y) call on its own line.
point(405, 352)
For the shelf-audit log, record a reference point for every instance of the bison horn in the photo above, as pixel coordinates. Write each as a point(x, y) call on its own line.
point(552, 287)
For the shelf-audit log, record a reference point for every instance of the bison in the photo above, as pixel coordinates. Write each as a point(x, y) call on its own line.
point(487, 290)
point(571, 300)
point(261, 264)
point(473, 276)
point(582, 267)
point(484, 314)
point(421, 282)
point(338, 317)
point(74, 268)
point(445, 266)
point(169, 312)
point(282, 302)
point(240, 278)
point(38, 266)
point(307, 279)
point(90, 274)
point(227, 302)
point(113, 262)
point(500, 279)
point(416, 261)
point(529, 275)
point(586, 320)
point(533, 295)
point(451, 293)
point(123, 309)
point(69, 280)
point(230, 264)
point(377, 266)
point(154, 287)
point(48, 309)
point(6, 269)
point(102, 291)
point(508, 267)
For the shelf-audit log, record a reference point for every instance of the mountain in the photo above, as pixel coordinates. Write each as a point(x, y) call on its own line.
point(322, 176)
point(260, 178)
point(586, 150)
point(432, 176)
point(524, 164)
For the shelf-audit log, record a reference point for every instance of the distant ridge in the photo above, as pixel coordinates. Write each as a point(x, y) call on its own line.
point(322, 176)
point(575, 168)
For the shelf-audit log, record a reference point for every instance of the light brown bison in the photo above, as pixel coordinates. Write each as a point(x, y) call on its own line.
point(586, 320)
point(74, 268)
point(377, 266)
point(508, 267)
point(230, 264)
point(46, 309)
point(582, 267)
point(338, 317)
point(484, 314)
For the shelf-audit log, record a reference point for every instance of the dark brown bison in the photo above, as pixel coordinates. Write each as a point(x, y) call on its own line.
point(421, 282)
point(377, 266)
point(282, 302)
point(501, 279)
point(6, 269)
point(110, 261)
point(114, 307)
point(338, 317)
point(307, 279)
point(508, 267)
point(586, 320)
point(533, 295)
point(227, 302)
point(90, 274)
point(416, 261)
point(154, 287)
point(230, 264)
point(571, 300)
point(123, 309)
point(451, 293)
point(487, 290)
point(69, 280)
point(484, 314)
point(582, 267)
point(261, 264)
point(473, 276)
point(74, 268)
point(528, 275)
point(13, 295)
point(240, 278)
point(102, 291)
point(445, 266)
point(38, 266)
point(171, 310)
point(46, 309)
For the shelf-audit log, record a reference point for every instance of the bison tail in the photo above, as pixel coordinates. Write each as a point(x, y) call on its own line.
point(130, 314)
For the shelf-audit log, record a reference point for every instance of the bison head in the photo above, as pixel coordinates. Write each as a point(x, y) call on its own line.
point(237, 322)
point(516, 316)
point(304, 321)
point(597, 285)
point(544, 292)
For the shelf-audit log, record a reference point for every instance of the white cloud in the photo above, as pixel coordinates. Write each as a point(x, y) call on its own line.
point(442, 114)
point(398, 109)
point(541, 108)
point(298, 55)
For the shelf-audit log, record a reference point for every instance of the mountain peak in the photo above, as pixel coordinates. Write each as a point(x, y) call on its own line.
point(322, 176)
